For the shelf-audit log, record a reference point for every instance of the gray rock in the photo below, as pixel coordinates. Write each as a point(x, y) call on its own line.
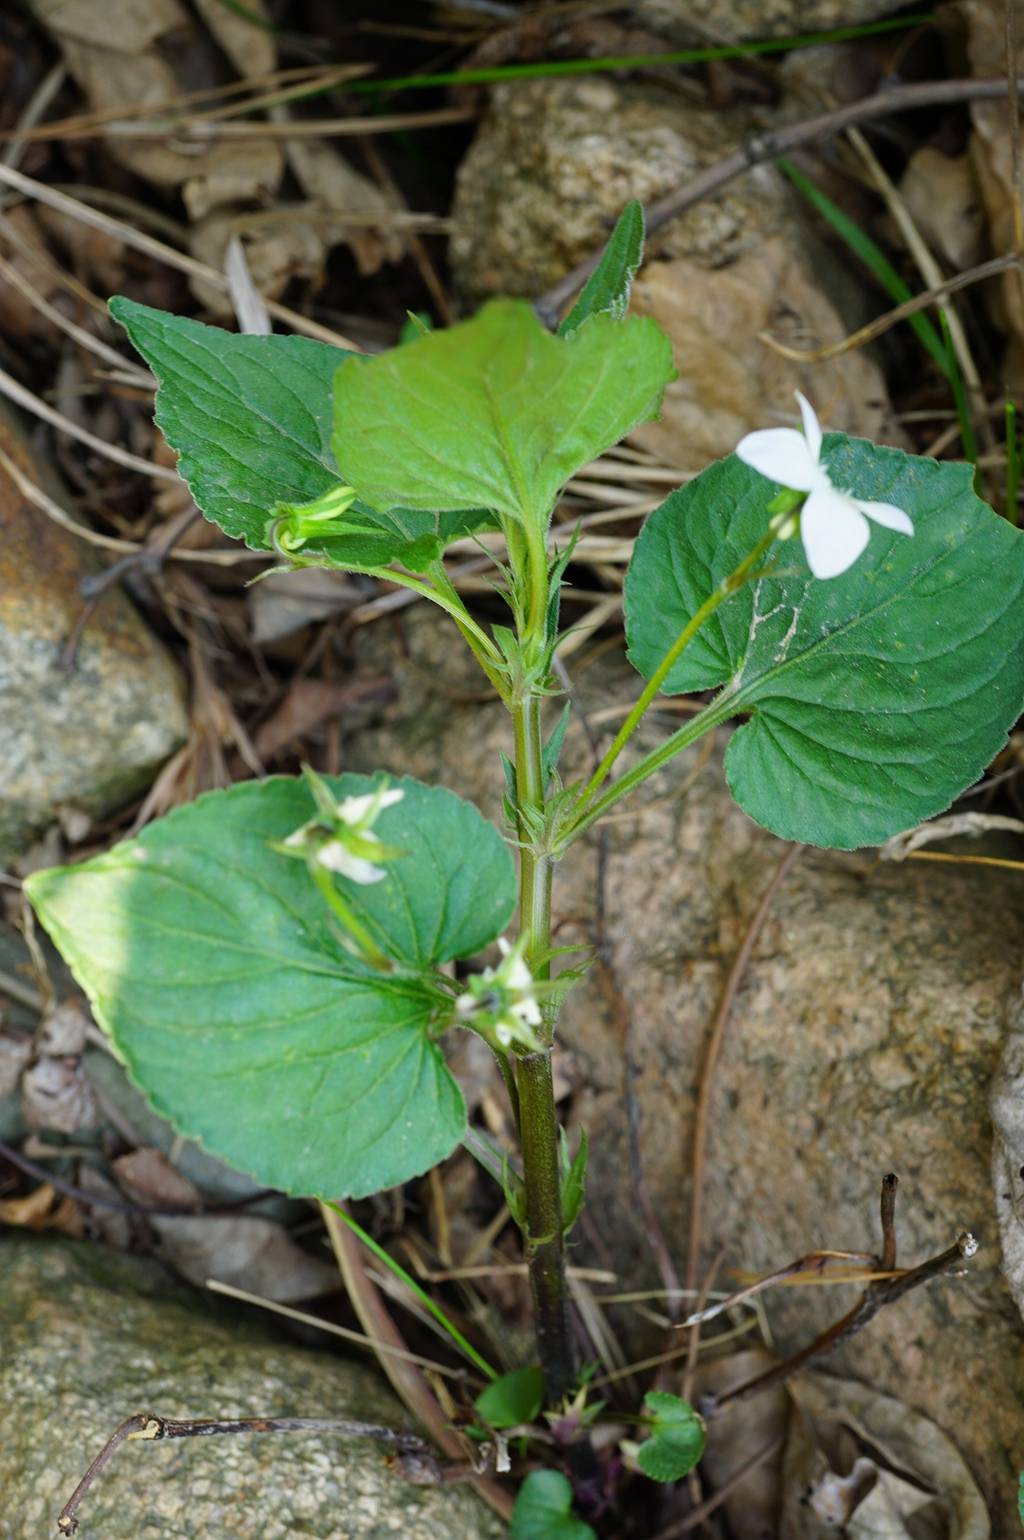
point(691, 21)
point(83, 740)
point(863, 1040)
point(551, 168)
point(90, 1338)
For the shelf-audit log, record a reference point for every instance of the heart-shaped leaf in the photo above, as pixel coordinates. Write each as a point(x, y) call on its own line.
point(874, 698)
point(543, 1510)
point(251, 421)
point(210, 960)
point(494, 412)
point(676, 1440)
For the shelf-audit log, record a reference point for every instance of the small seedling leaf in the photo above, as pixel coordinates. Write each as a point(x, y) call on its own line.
point(543, 1510)
point(513, 1398)
point(608, 288)
point(676, 1439)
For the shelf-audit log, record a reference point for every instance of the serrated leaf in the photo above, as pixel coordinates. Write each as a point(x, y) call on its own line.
point(250, 419)
point(513, 1398)
point(210, 960)
point(875, 697)
point(676, 1440)
point(543, 1510)
point(494, 412)
point(608, 287)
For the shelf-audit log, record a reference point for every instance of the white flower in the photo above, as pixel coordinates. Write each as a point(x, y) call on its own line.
point(338, 858)
point(509, 988)
point(833, 523)
point(341, 837)
point(353, 810)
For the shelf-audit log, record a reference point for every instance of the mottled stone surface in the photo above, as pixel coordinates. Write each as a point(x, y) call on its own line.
point(85, 739)
point(863, 1041)
point(690, 20)
point(90, 1338)
point(551, 168)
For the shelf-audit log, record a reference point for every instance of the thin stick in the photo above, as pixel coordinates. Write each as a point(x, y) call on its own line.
point(415, 1459)
point(205, 132)
point(25, 398)
point(909, 307)
point(162, 252)
point(409, 1382)
point(769, 145)
point(813, 1262)
point(876, 1296)
point(123, 1206)
point(40, 499)
point(374, 1344)
point(12, 275)
point(705, 1509)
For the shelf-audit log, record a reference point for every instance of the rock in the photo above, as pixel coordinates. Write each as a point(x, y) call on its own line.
point(863, 1040)
point(90, 1338)
point(85, 739)
point(550, 171)
point(715, 21)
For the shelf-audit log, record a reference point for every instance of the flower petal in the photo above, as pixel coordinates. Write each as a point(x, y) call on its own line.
point(781, 454)
point(338, 858)
point(812, 427)
point(834, 531)
point(887, 515)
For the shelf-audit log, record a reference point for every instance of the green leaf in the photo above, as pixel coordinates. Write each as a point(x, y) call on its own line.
point(552, 750)
point(494, 412)
point(512, 1398)
point(1020, 1499)
point(608, 287)
point(211, 961)
point(676, 1440)
point(543, 1510)
point(573, 1179)
point(251, 420)
point(874, 698)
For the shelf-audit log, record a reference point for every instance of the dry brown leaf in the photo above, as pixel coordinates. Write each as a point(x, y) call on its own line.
point(307, 704)
point(337, 188)
point(284, 602)
point(869, 1466)
point(129, 25)
point(36, 1211)
point(276, 253)
point(15, 1055)
point(249, 46)
point(149, 1178)
point(64, 1031)
point(247, 1251)
point(944, 199)
point(55, 1094)
point(752, 1507)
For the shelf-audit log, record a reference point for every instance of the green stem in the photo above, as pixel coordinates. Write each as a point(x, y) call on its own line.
point(342, 910)
point(545, 1245)
point(483, 649)
point(718, 711)
point(726, 588)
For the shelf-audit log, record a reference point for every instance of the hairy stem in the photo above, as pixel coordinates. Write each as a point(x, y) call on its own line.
point(545, 1246)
